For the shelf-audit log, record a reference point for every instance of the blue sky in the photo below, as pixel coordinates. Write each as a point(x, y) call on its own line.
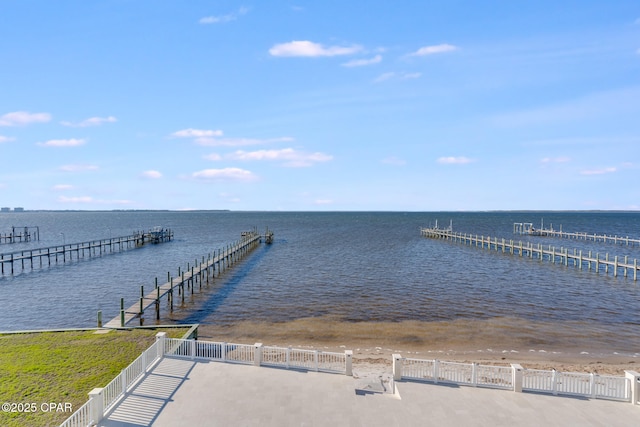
point(320, 105)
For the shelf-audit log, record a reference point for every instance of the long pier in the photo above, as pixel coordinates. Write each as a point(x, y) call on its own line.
point(527, 229)
point(201, 272)
point(32, 258)
point(561, 256)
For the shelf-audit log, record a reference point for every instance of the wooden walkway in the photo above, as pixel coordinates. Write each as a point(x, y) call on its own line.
point(32, 258)
point(196, 275)
point(20, 234)
point(560, 256)
point(521, 228)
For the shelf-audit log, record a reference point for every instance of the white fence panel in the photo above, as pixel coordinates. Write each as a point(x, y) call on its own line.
point(494, 376)
point(112, 392)
point(418, 369)
point(80, 418)
point(537, 380)
point(614, 388)
point(332, 362)
point(177, 347)
point(573, 383)
point(453, 372)
point(275, 356)
point(240, 353)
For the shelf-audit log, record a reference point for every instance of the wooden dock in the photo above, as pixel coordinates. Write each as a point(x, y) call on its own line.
point(20, 234)
point(527, 228)
point(202, 272)
point(33, 258)
point(561, 256)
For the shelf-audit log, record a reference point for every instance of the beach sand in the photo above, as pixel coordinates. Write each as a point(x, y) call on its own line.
point(567, 347)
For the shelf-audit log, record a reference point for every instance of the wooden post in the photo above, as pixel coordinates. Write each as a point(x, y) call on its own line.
point(626, 263)
point(182, 286)
point(141, 300)
point(99, 318)
point(171, 293)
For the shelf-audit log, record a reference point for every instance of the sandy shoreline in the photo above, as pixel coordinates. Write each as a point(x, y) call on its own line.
point(487, 342)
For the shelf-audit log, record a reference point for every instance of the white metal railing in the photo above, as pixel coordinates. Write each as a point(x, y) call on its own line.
point(494, 376)
point(537, 380)
point(106, 398)
point(284, 357)
point(518, 379)
point(80, 418)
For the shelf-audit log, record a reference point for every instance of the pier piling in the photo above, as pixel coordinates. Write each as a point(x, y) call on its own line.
point(196, 273)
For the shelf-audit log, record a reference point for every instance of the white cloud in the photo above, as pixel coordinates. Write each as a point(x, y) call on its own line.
point(89, 199)
point(555, 160)
point(225, 174)
point(384, 76)
point(311, 49)
point(323, 202)
point(151, 174)
point(238, 142)
point(213, 157)
point(78, 168)
point(289, 156)
point(599, 171)
point(62, 143)
point(363, 62)
point(92, 121)
point(430, 50)
point(22, 118)
point(62, 187)
point(224, 18)
point(393, 75)
point(395, 161)
point(454, 160)
point(77, 199)
point(5, 139)
point(196, 133)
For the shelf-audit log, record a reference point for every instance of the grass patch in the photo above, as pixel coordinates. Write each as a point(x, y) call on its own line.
point(63, 367)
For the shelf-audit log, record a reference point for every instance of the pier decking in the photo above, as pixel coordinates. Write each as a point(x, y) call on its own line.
point(201, 272)
point(20, 234)
point(554, 255)
point(65, 252)
point(528, 229)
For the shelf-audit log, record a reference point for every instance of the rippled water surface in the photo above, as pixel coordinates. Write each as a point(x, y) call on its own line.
point(349, 266)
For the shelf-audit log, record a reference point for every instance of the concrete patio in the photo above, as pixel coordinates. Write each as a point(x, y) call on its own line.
point(179, 392)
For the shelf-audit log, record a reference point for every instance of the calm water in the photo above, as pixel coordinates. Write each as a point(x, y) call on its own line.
point(352, 266)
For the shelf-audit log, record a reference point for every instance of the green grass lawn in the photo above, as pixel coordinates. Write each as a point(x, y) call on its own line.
point(63, 367)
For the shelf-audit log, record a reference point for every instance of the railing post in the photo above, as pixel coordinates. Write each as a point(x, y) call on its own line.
point(554, 382)
point(348, 357)
point(315, 359)
point(288, 357)
point(634, 379)
point(592, 385)
point(123, 381)
point(257, 355)
point(160, 339)
point(96, 405)
point(436, 370)
point(193, 349)
point(474, 374)
point(397, 367)
point(517, 372)
point(223, 351)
